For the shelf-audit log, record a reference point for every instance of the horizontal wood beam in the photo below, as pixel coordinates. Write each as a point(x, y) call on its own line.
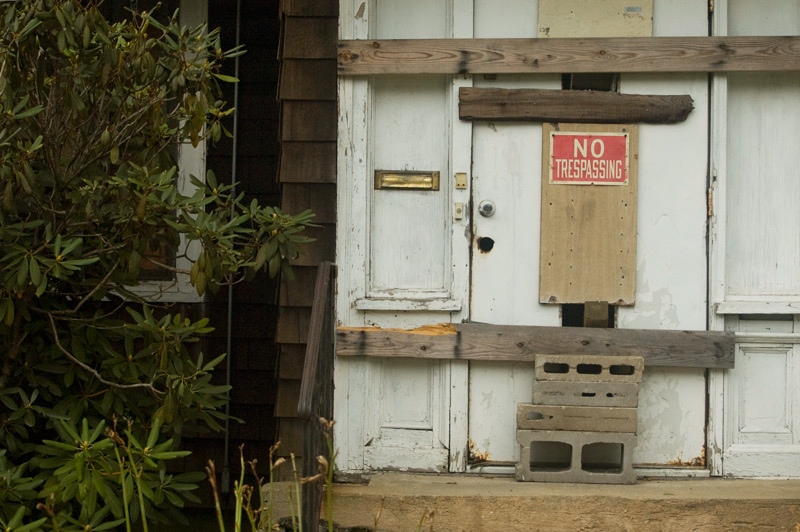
point(541, 105)
point(568, 55)
point(474, 341)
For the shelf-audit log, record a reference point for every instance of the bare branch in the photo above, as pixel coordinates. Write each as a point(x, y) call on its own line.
point(145, 385)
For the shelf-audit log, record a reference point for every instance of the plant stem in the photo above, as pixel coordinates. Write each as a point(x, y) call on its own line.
point(329, 482)
point(299, 497)
point(237, 491)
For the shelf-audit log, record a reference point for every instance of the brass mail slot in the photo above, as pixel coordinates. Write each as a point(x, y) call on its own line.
point(407, 180)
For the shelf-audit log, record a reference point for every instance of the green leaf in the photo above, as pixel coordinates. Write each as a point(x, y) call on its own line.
point(35, 272)
point(16, 520)
point(22, 272)
point(226, 79)
point(31, 526)
point(274, 265)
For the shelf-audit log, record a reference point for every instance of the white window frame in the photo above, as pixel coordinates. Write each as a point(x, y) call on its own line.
point(191, 161)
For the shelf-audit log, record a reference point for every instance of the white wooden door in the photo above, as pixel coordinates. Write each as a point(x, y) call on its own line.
point(671, 279)
point(403, 254)
point(755, 266)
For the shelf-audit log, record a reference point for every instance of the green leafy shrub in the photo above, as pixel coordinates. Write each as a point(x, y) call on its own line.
point(88, 188)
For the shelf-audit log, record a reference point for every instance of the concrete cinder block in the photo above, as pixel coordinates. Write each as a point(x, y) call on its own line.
point(580, 468)
point(576, 418)
point(588, 368)
point(622, 394)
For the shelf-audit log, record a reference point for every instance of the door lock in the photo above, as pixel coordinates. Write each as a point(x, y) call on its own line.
point(486, 208)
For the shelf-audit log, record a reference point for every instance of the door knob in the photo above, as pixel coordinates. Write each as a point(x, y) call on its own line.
point(486, 208)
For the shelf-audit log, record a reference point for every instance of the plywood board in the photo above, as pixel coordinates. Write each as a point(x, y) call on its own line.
point(588, 232)
point(590, 18)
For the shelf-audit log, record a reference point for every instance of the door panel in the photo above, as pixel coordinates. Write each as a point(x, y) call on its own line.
point(762, 435)
point(755, 253)
point(671, 279)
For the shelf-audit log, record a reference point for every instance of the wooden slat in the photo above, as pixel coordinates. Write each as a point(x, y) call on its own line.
point(317, 337)
point(309, 38)
point(539, 105)
point(308, 162)
point(473, 341)
point(308, 79)
point(564, 55)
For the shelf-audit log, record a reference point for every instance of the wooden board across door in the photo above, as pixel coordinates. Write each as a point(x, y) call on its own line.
point(588, 232)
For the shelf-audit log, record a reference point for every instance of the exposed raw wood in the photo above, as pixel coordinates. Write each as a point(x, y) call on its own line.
point(308, 79)
point(540, 105)
point(526, 56)
point(440, 329)
point(475, 341)
point(308, 162)
point(588, 232)
point(309, 120)
point(309, 38)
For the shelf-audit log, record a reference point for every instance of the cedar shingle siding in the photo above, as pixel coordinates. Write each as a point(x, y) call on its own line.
point(307, 173)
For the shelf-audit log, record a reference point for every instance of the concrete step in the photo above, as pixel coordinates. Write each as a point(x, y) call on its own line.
point(475, 504)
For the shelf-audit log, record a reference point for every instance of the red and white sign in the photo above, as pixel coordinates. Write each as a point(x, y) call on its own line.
point(588, 158)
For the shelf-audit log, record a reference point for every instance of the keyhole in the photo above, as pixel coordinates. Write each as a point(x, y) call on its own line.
point(485, 244)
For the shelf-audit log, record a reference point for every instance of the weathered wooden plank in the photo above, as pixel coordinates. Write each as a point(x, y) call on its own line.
point(319, 340)
point(540, 105)
point(474, 341)
point(564, 55)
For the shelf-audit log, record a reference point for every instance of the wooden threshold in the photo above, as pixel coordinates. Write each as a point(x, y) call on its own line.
point(543, 105)
point(568, 55)
point(475, 341)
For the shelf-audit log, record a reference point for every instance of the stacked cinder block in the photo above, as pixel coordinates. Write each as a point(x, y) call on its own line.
point(581, 425)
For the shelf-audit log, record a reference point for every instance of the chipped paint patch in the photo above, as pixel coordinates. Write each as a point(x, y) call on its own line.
point(440, 329)
point(476, 455)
